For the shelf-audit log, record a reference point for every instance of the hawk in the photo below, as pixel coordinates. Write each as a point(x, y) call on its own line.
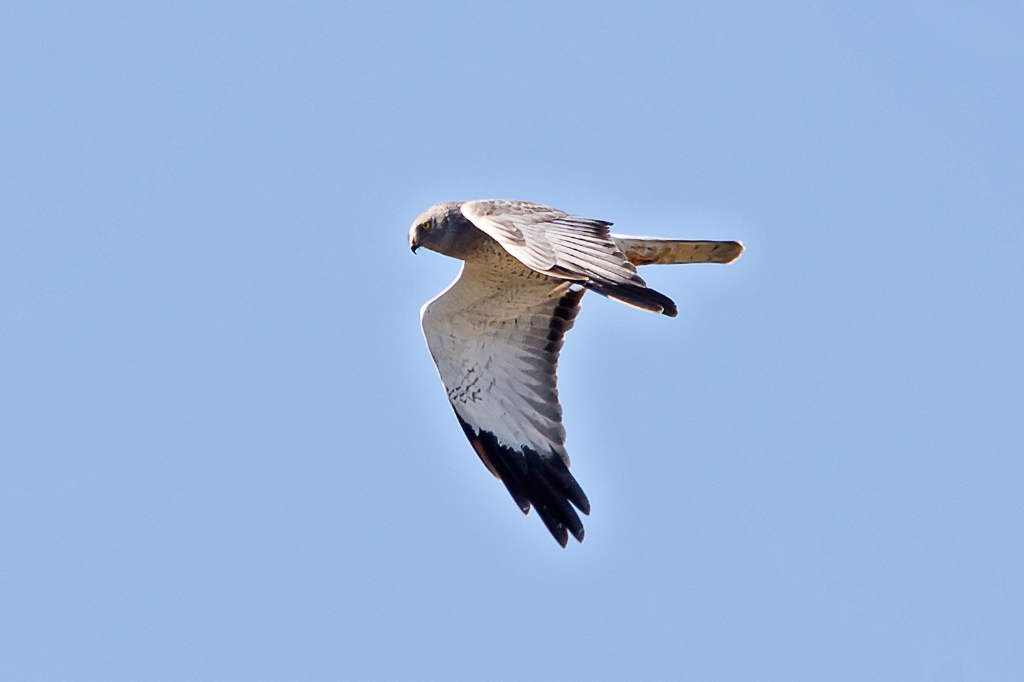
point(496, 331)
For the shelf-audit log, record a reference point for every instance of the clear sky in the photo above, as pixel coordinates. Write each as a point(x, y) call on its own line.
point(225, 453)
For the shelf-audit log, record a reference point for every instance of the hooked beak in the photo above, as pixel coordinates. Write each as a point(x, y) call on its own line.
point(414, 243)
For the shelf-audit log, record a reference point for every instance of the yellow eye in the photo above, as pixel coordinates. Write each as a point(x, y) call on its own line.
point(425, 226)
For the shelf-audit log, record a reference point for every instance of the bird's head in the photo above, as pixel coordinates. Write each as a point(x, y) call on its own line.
point(435, 228)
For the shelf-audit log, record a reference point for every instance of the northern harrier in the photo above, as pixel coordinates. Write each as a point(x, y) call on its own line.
point(496, 331)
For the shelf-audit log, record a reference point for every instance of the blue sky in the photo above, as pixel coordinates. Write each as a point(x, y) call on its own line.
point(224, 450)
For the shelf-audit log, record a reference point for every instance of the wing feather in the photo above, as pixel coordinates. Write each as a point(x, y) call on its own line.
point(497, 356)
point(566, 246)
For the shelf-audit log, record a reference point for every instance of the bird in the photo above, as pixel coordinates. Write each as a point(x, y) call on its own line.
point(495, 333)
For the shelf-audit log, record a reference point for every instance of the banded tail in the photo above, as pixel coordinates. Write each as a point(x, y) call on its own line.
point(654, 251)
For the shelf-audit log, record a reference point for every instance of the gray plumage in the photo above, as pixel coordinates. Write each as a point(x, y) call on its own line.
point(495, 333)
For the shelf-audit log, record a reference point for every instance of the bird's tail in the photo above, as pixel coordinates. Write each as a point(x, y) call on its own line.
point(653, 251)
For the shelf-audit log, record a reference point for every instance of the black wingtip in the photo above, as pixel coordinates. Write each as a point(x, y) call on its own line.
point(543, 482)
point(636, 295)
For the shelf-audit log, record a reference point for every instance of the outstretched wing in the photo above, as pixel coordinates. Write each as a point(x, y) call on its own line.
point(566, 246)
point(495, 335)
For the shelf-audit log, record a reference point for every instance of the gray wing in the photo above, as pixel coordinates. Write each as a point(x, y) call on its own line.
point(566, 246)
point(495, 337)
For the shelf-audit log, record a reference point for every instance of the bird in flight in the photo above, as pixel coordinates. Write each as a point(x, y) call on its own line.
point(496, 331)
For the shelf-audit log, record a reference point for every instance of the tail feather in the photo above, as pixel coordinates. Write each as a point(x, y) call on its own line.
point(653, 251)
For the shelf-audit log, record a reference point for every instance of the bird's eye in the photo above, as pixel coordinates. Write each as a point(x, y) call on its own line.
point(425, 226)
